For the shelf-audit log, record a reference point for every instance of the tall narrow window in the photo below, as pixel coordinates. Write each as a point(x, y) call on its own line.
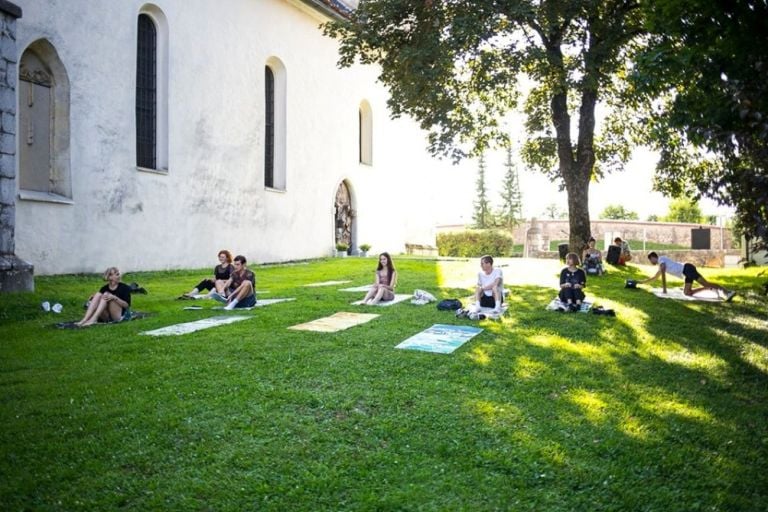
point(146, 94)
point(365, 133)
point(269, 128)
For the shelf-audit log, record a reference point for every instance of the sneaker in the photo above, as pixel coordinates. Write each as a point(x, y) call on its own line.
point(46, 306)
point(219, 297)
point(481, 316)
point(56, 308)
point(729, 296)
point(474, 316)
point(574, 307)
point(461, 313)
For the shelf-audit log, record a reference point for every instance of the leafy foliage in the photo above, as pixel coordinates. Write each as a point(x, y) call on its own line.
point(708, 63)
point(456, 68)
point(482, 212)
point(511, 198)
point(683, 210)
point(470, 244)
point(618, 212)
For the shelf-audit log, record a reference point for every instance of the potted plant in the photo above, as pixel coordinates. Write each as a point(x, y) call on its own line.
point(341, 249)
point(364, 248)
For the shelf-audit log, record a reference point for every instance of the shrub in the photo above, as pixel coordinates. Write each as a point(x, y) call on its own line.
point(475, 243)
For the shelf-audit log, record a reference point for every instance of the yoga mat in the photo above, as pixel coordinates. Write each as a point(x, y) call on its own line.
point(363, 288)
point(398, 298)
point(557, 303)
point(187, 327)
point(327, 283)
point(259, 304)
point(135, 315)
point(440, 338)
point(677, 294)
point(336, 322)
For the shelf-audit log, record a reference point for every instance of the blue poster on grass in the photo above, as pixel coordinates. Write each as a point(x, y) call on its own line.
point(441, 338)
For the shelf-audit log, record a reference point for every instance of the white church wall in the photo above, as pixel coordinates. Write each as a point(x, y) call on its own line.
point(213, 194)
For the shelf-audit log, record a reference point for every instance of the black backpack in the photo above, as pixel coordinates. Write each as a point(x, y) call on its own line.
point(449, 305)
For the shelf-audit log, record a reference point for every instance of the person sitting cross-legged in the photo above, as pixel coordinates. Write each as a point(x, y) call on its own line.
point(572, 283)
point(242, 283)
point(383, 287)
point(489, 291)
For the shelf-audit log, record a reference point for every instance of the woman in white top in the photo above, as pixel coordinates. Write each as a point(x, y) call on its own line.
point(490, 283)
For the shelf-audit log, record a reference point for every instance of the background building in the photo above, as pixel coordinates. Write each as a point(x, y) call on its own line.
point(151, 135)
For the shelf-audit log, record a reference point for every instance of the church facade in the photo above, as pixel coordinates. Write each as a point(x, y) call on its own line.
point(152, 135)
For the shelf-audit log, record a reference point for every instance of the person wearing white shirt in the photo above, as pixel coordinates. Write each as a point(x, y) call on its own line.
point(685, 271)
point(490, 285)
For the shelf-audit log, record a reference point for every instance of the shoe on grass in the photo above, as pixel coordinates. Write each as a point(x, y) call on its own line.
point(729, 296)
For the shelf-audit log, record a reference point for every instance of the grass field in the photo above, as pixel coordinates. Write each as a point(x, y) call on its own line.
point(663, 408)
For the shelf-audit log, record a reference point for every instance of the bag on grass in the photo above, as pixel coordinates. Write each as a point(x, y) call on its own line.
point(449, 305)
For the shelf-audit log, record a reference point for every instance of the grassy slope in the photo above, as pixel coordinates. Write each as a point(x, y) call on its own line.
point(662, 408)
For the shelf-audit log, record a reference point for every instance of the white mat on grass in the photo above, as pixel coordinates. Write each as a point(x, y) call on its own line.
point(259, 304)
point(399, 297)
point(336, 322)
point(363, 288)
point(678, 294)
point(327, 283)
point(558, 304)
point(199, 325)
point(440, 338)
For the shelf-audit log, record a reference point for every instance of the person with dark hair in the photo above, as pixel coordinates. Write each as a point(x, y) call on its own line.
point(111, 303)
point(221, 273)
point(593, 260)
point(489, 291)
point(242, 283)
point(573, 280)
point(626, 253)
point(383, 288)
point(685, 271)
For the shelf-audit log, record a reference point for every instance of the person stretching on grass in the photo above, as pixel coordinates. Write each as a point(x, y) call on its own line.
point(242, 282)
point(111, 303)
point(572, 283)
point(685, 271)
point(383, 288)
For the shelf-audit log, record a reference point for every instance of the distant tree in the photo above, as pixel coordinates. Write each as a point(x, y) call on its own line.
point(617, 212)
point(684, 210)
point(482, 214)
point(653, 218)
point(552, 211)
point(511, 197)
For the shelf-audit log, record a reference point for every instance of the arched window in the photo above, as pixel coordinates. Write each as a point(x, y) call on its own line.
point(152, 89)
point(274, 124)
point(269, 128)
point(43, 133)
point(365, 133)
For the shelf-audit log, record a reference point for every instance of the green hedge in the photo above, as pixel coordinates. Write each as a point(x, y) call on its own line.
point(468, 244)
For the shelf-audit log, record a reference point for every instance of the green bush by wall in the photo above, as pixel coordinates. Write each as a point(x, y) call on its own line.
point(469, 244)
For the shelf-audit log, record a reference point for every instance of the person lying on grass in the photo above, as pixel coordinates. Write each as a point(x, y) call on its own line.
point(111, 303)
point(685, 271)
point(242, 282)
point(489, 292)
point(572, 283)
point(221, 273)
point(384, 282)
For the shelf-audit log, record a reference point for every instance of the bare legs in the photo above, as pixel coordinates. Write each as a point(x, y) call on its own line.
point(376, 294)
point(244, 290)
point(705, 285)
point(100, 309)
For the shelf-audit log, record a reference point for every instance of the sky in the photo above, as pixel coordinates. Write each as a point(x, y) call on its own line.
point(631, 188)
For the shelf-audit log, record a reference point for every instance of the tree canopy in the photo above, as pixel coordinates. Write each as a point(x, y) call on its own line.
point(702, 80)
point(457, 66)
point(618, 212)
point(684, 210)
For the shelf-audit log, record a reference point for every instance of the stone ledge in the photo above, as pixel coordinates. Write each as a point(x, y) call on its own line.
point(16, 275)
point(10, 9)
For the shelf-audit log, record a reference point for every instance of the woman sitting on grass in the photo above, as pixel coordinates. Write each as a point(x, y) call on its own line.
point(572, 283)
point(221, 274)
point(384, 283)
point(111, 303)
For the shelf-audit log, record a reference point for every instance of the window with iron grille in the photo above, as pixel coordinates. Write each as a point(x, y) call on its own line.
point(269, 127)
point(146, 94)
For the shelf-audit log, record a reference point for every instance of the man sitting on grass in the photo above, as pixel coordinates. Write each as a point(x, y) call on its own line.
point(685, 271)
point(242, 283)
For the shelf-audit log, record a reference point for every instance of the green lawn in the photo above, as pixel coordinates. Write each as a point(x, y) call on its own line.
point(663, 408)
